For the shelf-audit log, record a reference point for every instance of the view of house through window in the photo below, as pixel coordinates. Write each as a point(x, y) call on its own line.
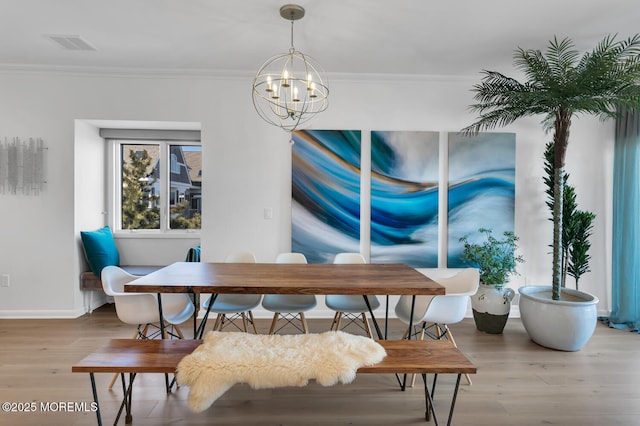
point(160, 183)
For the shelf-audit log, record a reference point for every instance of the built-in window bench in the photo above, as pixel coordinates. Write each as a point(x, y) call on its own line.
point(90, 283)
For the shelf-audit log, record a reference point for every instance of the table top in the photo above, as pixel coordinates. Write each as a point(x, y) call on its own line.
point(278, 278)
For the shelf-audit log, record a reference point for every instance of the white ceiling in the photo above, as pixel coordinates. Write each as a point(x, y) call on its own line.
point(450, 37)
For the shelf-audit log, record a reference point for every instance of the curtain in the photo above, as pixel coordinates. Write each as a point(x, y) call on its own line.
point(625, 305)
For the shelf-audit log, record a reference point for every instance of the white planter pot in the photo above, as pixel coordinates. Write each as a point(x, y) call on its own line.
point(491, 307)
point(565, 325)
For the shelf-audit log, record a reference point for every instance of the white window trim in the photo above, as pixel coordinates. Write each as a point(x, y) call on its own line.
point(114, 193)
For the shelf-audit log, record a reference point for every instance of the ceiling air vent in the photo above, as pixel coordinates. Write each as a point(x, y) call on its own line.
point(70, 42)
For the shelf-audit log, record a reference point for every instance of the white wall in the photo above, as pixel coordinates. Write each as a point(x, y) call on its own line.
point(246, 167)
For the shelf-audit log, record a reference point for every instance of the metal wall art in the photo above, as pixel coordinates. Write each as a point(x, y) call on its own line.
point(22, 166)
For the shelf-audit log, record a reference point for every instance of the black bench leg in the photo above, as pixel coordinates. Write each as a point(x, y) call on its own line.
point(95, 398)
point(126, 401)
point(429, 411)
point(428, 401)
point(453, 400)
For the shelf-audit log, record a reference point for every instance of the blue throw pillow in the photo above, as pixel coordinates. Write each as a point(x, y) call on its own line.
point(100, 249)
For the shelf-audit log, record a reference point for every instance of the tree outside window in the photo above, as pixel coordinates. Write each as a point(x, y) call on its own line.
point(142, 199)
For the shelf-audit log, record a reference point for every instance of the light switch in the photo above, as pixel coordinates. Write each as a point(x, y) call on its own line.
point(268, 213)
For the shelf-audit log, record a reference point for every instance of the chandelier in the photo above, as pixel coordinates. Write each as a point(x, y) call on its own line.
point(290, 88)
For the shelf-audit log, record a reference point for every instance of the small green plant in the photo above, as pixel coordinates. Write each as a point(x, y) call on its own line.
point(577, 225)
point(495, 258)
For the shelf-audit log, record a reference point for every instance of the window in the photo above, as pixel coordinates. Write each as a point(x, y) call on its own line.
point(157, 185)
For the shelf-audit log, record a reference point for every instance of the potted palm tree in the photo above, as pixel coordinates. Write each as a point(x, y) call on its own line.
point(560, 84)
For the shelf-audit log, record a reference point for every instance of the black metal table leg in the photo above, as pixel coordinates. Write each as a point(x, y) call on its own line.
point(413, 307)
point(203, 323)
point(403, 383)
point(195, 300)
point(161, 316)
point(386, 318)
point(95, 398)
point(373, 317)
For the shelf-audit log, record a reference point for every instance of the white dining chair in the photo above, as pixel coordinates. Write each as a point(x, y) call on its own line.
point(141, 309)
point(433, 314)
point(353, 308)
point(232, 307)
point(289, 307)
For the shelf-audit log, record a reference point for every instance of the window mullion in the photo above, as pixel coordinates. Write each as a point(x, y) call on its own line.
point(164, 186)
point(114, 178)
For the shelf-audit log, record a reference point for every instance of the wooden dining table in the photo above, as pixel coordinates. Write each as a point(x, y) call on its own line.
point(274, 278)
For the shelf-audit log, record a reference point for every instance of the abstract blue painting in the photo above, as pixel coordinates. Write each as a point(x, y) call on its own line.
point(482, 171)
point(404, 197)
point(325, 185)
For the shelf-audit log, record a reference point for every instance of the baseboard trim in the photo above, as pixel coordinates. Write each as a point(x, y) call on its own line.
point(42, 314)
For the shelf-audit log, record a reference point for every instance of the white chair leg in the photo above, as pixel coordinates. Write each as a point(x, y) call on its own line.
point(135, 336)
point(303, 320)
point(335, 321)
point(253, 323)
point(450, 337)
point(217, 326)
point(338, 320)
point(413, 376)
point(178, 331)
point(406, 333)
point(244, 322)
point(367, 328)
point(273, 323)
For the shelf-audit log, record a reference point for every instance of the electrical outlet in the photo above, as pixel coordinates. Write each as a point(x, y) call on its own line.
point(4, 280)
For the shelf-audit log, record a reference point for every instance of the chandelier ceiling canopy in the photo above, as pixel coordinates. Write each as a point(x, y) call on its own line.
point(291, 88)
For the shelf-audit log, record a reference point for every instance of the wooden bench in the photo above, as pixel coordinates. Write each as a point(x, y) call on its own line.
point(162, 356)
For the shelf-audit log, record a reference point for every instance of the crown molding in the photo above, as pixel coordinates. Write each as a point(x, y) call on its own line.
point(215, 74)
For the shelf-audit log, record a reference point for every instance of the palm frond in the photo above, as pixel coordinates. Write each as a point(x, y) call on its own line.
point(533, 65)
point(561, 56)
point(598, 83)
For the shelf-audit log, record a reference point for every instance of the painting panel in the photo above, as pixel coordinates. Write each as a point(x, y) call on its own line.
point(404, 197)
point(481, 193)
point(325, 185)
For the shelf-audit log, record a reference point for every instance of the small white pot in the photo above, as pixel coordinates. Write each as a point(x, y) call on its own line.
point(565, 325)
point(491, 307)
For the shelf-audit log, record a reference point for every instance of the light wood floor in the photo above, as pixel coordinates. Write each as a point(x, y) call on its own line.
point(518, 383)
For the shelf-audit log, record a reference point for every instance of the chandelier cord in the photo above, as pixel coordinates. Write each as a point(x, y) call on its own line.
point(292, 48)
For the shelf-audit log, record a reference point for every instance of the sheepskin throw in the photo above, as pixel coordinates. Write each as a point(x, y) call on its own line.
point(268, 361)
